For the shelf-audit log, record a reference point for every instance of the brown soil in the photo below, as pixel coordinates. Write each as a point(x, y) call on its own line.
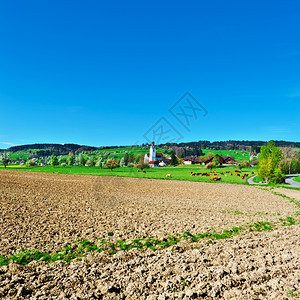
point(47, 211)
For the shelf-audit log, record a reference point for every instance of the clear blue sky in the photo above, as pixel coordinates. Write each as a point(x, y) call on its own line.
point(103, 72)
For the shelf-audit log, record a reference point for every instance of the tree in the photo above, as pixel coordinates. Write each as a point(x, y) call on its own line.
point(111, 164)
point(131, 158)
point(268, 168)
point(210, 166)
point(31, 163)
point(174, 160)
point(243, 164)
point(141, 165)
point(99, 162)
point(81, 160)
point(54, 161)
point(122, 162)
point(5, 159)
point(62, 160)
point(209, 155)
point(126, 159)
point(138, 158)
point(90, 163)
point(216, 160)
point(71, 159)
point(291, 157)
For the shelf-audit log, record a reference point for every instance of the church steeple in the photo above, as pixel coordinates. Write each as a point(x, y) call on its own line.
point(152, 156)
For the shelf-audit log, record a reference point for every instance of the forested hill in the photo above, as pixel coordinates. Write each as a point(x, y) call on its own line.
point(59, 149)
point(189, 148)
point(231, 145)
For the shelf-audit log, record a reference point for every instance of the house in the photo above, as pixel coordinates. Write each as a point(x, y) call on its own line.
point(191, 160)
point(222, 159)
point(155, 159)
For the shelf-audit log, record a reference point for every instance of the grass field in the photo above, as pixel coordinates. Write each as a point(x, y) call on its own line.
point(118, 153)
point(238, 154)
point(297, 178)
point(181, 172)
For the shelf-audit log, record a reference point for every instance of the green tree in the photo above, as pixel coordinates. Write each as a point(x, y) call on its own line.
point(111, 164)
point(210, 166)
point(126, 159)
point(31, 163)
point(138, 158)
point(5, 159)
point(90, 163)
point(174, 160)
point(81, 160)
point(54, 161)
point(268, 168)
point(122, 162)
point(71, 159)
point(131, 158)
point(141, 165)
point(209, 155)
point(216, 160)
point(99, 162)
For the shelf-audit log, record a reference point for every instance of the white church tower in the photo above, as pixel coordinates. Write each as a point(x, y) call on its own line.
point(152, 152)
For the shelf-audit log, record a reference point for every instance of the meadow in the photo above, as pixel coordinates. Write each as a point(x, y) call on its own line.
point(182, 172)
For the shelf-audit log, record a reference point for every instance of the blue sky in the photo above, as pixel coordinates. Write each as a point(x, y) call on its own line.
point(103, 73)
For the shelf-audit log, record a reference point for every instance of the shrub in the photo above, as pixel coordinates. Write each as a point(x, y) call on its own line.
point(141, 165)
point(210, 166)
point(111, 164)
point(31, 163)
point(90, 163)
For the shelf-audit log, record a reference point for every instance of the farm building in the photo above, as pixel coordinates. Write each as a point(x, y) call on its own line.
point(155, 159)
point(222, 159)
point(191, 160)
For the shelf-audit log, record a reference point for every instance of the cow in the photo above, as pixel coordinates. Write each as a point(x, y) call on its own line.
point(193, 174)
point(144, 171)
point(169, 175)
point(237, 171)
point(215, 178)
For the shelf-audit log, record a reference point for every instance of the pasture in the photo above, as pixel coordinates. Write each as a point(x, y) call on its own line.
point(182, 172)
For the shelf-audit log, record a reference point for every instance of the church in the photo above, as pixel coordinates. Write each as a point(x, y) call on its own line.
point(155, 159)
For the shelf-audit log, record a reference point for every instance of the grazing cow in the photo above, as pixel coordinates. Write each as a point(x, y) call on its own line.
point(168, 175)
point(215, 174)
point(193, 174)
point(208, 174)
point(243, 177)
point(215, 178)
point(237, 171)
point(228, 171)
point(252, 172)
point(237, 174)
point(222, 173)
point(199, 174)
point(144, 171)
point(204, 174)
